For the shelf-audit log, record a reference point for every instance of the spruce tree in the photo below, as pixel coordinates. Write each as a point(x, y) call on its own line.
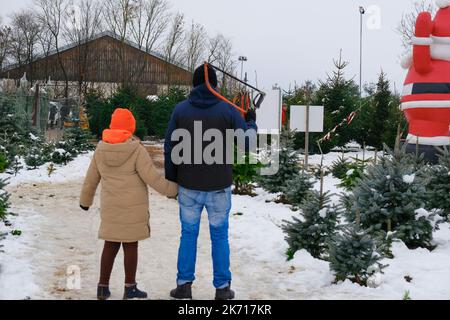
point(289, 165)
point(353, 255)
point(298, 188)
point(381, 105)
point(340, 167)
point(340, 97)
point(77, 140)
point(390, 197)
point(4, 199)
point(439, 187)
point(314, 229)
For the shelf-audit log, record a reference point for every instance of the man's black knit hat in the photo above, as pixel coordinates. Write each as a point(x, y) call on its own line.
point(199, 76)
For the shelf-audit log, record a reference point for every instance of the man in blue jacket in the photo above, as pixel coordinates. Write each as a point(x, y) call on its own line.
point(204, 184)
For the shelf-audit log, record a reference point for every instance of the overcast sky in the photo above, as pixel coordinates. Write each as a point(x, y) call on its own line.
point(295, 40)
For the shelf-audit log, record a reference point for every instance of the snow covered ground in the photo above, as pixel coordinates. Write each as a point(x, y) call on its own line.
point(57, 237)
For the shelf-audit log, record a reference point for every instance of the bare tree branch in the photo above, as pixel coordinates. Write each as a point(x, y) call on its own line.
point(175, 37)
point(51, 14)
point(406, 27)
point(83, 22)
point(149, 23)
point(195, 46)
point(25, 35)
point(5, 43)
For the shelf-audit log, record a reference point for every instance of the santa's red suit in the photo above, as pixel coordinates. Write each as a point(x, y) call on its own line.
point(426, 94)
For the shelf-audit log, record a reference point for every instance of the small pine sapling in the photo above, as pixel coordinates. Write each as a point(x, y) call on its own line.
point(391, 197)
point(288, 164)
point(438, 191)
point(297, 189)
point(340, 167)
point(353, 255)
point(16, 165)
point(4, 199)
point(313, 230)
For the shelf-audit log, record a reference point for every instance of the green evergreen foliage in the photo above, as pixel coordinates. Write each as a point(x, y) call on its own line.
point(340, 167)
point(298, 188)
point(152, 117)
point(289, 165)
point(16, 166)
point(340, 97)
point(161, 110)
point(314, 229)
point(353, 175)
point(34, 158)
point(353, 255)
point(244, 175)
point(438, 190)
point(381, 107)
point(61, 156)
point(380, 116)
point(390, 197)
point(78, 140)
point(3, 162)
point(4, 199)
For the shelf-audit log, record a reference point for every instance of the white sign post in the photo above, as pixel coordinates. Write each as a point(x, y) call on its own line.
point(269, 114)
point(307, 119)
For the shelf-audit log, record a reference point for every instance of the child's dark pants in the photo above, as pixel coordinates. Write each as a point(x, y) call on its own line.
point(109, 254)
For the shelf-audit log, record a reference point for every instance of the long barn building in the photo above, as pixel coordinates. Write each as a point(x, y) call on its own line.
point(104, 62)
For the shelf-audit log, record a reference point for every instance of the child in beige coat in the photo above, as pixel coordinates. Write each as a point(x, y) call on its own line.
point(124, 168)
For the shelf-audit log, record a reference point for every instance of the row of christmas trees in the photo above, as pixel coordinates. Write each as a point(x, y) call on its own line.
point(399, 197)
point(19, 143)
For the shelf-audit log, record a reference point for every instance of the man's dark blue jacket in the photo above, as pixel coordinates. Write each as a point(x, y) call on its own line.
point(213, 113)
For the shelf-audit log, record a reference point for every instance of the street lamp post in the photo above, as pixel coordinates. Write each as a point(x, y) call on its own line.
point(242, 59)
point(362, 11)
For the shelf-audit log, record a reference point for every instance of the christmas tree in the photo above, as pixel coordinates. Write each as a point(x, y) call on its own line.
point(4, 198)
point(391, 197)
point(381, 105)
point(315, 228)
point(298, 188)
point(353, 255)
point(78, 140)
point(340, 167)
point(439, 187)
point(288, 164)
point(244, 174)
point(340, 97)
point(3, 162)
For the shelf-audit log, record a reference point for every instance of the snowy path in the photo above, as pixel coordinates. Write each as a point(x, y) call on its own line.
point(57, 235)
point(62, 236)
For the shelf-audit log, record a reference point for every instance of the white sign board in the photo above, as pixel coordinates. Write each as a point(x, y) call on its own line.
point(268, 116)
point(298, 118)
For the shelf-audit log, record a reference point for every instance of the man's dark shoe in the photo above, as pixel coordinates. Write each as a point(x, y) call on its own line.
point(132, 292)
point(182, 292)
point(225, 294)
point(103, 292)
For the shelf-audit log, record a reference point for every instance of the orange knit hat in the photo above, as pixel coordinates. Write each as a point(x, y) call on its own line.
point(123, 119)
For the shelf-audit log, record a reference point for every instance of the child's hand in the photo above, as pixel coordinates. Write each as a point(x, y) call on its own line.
point(84, 208)
point(173, 198)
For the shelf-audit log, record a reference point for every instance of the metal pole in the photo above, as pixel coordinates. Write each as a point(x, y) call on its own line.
point(362, 11)
point(307, 138)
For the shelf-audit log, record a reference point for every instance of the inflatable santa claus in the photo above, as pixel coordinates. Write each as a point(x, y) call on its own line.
point(426, 94)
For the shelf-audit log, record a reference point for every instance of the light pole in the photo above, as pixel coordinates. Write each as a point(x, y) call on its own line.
point(362, 11)
point(242, 59)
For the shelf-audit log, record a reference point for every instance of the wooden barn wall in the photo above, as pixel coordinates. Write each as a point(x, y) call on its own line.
point(102, 62)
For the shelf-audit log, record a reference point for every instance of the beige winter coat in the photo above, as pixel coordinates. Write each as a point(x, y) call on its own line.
point(124, 170)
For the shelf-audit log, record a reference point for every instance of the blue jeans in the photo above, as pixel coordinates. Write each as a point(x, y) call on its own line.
point(218, 206)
